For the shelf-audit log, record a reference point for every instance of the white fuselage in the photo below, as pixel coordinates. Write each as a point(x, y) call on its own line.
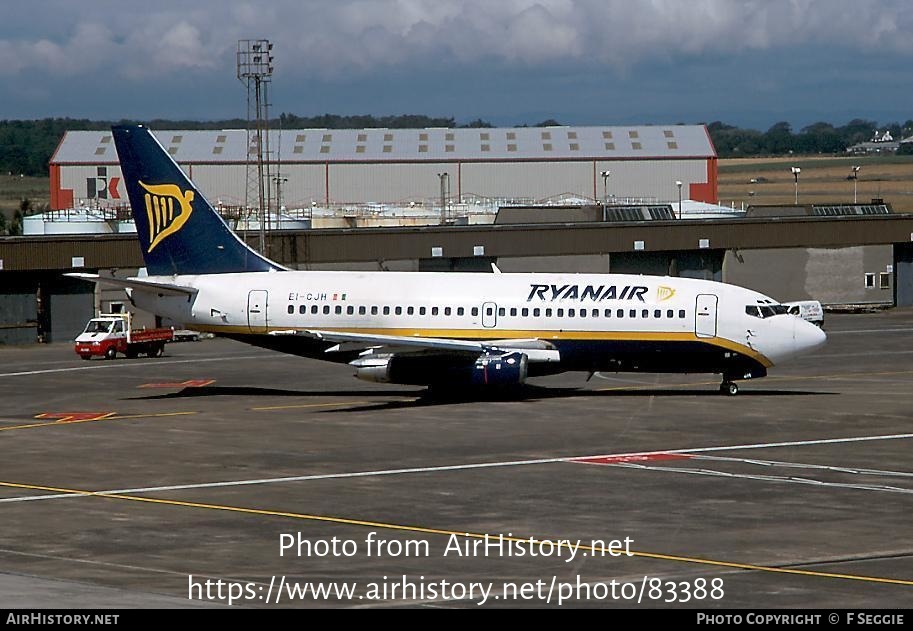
point(587, 317)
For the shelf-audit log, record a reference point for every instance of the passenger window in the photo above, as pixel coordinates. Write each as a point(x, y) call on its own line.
point(681, 313)
point(670, 313)
point(633, 313)
point(462, 311)
point(398, 311)
point(571, 313)
point(502, 311)
point(326, 310)
point(595, 313)
point(524, 312)
point(548, 313)
point(560, 313)
point(386, 310)
point(446, 311)
point(434, 311)
point(620, 313)
point(513, 312)
point(488, 311)
point(658, 313)
point(583, 313)
point(350, 310)
point(475, 311)
point(314, 309)
point(645, 313)
point(410, 310)
point(291, 308)
point(338, 309)
point(302, 309)
point(421, 310)
point(608, 313)
point(362, 310)
point(536, 312)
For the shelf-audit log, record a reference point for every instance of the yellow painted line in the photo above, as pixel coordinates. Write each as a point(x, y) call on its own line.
point(469, 535)
point(93, 420)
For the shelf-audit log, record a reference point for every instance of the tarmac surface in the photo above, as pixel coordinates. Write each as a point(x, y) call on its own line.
point(130, 483)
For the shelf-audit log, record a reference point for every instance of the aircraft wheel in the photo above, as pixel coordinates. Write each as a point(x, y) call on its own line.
point(110, 353)
point(729, 388)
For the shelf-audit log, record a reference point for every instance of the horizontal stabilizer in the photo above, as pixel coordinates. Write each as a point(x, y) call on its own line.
point(137, 284)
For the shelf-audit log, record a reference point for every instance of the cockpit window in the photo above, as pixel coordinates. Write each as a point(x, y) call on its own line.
point(765, 311)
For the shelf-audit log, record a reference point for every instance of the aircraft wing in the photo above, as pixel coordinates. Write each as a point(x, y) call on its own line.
point(536, 350)
point(137, 284)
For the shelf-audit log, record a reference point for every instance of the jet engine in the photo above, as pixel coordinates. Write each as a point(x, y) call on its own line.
point(488, 370)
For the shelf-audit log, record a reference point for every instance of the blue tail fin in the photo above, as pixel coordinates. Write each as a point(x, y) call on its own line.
point(179, 231)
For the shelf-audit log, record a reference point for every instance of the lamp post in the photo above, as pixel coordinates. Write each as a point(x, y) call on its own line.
point(605, 192)
point(796, 171)
point(444, 177)
point(279, 181)
point(855, 176)
point(678, 183)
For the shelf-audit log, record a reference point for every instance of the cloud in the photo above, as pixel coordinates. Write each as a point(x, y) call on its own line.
point(326, 39)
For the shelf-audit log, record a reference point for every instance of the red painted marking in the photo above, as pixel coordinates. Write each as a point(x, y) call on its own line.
point(112, 187)
point(632, 458)
point(74, 417)
point(190, 383)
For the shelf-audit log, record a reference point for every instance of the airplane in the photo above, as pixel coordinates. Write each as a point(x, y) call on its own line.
point(443, 330)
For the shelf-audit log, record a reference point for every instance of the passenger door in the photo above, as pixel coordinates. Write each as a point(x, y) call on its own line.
point(489, 315)
point(256, 310)
point(705, 315)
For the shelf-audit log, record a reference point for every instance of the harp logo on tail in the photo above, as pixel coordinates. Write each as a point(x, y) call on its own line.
point(167, 209)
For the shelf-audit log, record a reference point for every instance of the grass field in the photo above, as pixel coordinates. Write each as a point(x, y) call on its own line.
point(13, 189)
point(821, 180)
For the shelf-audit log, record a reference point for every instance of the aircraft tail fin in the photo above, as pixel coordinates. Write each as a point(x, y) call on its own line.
point(179, 230)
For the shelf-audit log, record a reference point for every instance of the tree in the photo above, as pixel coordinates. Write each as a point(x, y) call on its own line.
point(779, 139)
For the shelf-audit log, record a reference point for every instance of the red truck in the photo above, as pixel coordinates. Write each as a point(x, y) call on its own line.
point(113, 333)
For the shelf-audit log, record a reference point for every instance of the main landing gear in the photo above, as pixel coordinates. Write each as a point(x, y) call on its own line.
point(729, 388)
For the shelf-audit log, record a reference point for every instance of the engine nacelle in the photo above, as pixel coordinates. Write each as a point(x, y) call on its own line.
point(500, 370)
point(487, 370)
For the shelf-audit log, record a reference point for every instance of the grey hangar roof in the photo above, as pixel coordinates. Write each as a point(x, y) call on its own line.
point(410, 145)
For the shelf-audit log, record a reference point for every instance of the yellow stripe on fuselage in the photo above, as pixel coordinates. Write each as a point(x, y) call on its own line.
point(505, 334)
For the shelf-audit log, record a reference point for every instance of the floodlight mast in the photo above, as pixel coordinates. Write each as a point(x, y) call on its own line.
point(255, 70)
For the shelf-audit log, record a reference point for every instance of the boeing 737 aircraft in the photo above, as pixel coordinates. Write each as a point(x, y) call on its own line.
point(444, 330)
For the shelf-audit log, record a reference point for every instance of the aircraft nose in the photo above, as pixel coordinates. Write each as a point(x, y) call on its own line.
point(808, 336)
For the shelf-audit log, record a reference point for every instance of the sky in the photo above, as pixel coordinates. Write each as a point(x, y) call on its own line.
point(750, 63)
